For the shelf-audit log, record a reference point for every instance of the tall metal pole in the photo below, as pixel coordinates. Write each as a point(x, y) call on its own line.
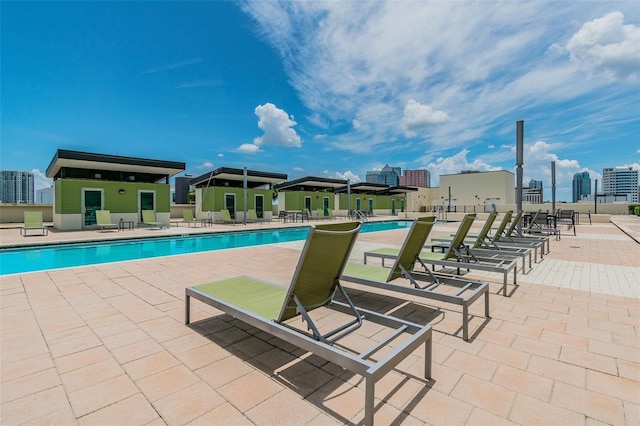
point(244, 188)
point(348, 197)
point(595, 198)
point(553, 186)
point(519, 164)
point(449, 205)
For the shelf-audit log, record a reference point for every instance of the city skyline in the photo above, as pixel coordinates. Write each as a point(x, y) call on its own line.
point(301, 88)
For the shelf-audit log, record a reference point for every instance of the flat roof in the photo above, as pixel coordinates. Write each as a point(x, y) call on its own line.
point(311, 183)
point(117, 163)
point(254, 178)
point(364, 187)
point(399, 190)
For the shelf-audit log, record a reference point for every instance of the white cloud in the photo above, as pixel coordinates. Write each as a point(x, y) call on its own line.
point(298, 169)
point(173, 66)
point(206, 165)
point(418, 116)
point(40, 180)
point(481, 65)
point(249, 148)
point(349, 175)
point(220, 155)
point(277, 126)
point(606, 45)
point(456, 164)
point(199, 83)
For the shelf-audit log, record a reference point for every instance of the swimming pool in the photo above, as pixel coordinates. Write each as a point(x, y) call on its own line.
point(41, 258)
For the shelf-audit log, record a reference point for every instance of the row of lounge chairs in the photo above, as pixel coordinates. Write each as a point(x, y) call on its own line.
point(319, 281)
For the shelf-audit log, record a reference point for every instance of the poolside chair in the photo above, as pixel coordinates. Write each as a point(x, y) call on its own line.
point(321, 214)
point(252, 216)
point(103, 220)
point(453, 256)
point(187, 217)
point(465, 291)
point(149, 219)
point(511, 236)
point(481, 246)
point(225, 217)
point(274, 309)
point(539, 225)
point(33, 221)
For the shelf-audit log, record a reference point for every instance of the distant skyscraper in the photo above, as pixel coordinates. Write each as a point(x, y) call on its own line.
point(419, 178)
point(621, 180)
point(535, 184)
point(387, 176)
point(16, 187)
point(581, 186)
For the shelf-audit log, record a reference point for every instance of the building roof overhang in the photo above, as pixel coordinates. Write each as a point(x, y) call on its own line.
point(397, 190)
point(92, 161)
point(255, 178)
point(310, 183)
point(363, 188)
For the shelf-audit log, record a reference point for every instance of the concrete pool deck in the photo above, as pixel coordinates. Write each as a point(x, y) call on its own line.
point(106, 344)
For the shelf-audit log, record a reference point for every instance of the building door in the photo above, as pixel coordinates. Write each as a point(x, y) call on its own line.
point(393, 207)
point(146, 202)
point(92, 201)
point(230, 204)
point(358, 204)
point(259, 204)
point(371, 206)
point(325, 206)
point(307, 203)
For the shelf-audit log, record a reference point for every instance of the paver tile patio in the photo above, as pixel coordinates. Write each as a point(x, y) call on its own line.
point(106, 344)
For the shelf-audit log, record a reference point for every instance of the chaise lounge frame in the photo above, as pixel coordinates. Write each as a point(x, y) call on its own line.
point(314, 341)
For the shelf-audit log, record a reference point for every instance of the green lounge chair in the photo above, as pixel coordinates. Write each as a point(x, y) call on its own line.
point(225, 217)
point(454, 256)
point(273, 309)
point(252, 216)
point(103, 220)
point(540, 225)
point(466, 291)
point(481, 246)
point(187, 217)
point(149, 219)
point(33, 221)
point(510, 237)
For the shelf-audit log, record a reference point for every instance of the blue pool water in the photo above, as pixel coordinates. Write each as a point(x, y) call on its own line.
point(43, 258)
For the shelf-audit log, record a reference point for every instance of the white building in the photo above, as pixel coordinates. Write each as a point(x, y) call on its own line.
point(16, 187)
point(621, 180)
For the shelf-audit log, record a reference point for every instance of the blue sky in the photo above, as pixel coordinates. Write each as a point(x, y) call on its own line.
point(325, 88)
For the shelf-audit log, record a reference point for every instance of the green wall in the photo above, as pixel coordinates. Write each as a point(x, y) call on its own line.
point(213, 198)
point(380, 202)
point(68, 195)
point(294, 200)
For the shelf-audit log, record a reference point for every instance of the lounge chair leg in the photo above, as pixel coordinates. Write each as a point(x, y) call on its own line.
point(465, 322)
point(369, 401)
point(427, 358)
point(187, 308)
point(486, 304)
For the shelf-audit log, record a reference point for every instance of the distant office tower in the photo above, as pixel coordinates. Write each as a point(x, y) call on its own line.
point(581, 186)
point(535, 184)
point(419, 178)
point(387, 176)
point(44, 196)
point(621, 180)
point(16, 187)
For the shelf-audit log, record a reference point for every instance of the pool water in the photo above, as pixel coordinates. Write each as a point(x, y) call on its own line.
point(41, 258)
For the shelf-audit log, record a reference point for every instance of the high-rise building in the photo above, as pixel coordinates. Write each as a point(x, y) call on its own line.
point(420, 178)
point(581, 186)
point(621, 180)
point(16, 187)
point(387, 176)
